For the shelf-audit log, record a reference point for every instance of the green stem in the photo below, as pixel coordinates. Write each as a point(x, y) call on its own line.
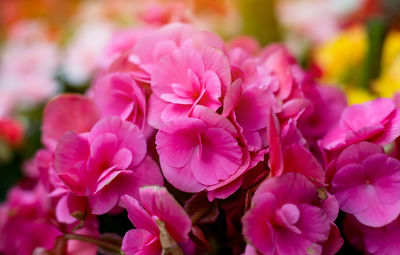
point(376, 31)
point(100, 243)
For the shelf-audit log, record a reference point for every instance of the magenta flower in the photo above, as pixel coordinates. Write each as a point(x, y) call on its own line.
point(371, 240)
point(156, 206)
point(367, 184)
point(383, 240)
point(202, 152)
point(287, 217)
point(105, 164)
point(377, 121)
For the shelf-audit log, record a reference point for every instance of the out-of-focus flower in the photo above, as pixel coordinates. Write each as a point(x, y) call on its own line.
point(27, 67)
point(27, 224)
point(300, 17)
point(388, 83)
point(341, 56)
point(372, 240)
point(159, 220)
point(85, 50)
point(356, 95)
point(11, 131)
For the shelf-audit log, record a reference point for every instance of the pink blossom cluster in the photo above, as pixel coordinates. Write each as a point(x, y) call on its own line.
point(183, 130)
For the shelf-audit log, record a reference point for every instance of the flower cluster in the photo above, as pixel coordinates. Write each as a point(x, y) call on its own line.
point(185, 132)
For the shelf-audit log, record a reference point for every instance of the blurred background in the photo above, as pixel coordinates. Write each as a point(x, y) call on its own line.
point(49, 47)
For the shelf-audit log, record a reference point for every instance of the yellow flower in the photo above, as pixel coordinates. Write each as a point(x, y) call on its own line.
point(389, 81)
point(341, 55)
point(391, 49)
point(358, 95)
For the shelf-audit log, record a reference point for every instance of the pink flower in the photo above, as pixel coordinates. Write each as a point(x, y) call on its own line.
point(83, 53)
point(69, 208)
point(249, 109)
point(106, 163)
point(371, 240)
point(367, 184)
point(121, 41)
point(156, 205)
point(11, 131)
point(383, 240)
point(327, 106)
point(28, 65)
point(117, 94)
point(202, 152)
point(27, 224)
point(377, 121)
point(67, 112)
point(190, 75)
point(287, 217)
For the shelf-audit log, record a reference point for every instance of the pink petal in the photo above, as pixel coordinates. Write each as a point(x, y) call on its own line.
point(70, 159)
point(299, 159)
point(218, 157)
point(213, 119)
point(275, 147)
point(181, 178)
point(103, 201)
point(232, 96)
point(146, 173)
point(162, 204)
point(156, 107)
point(348, 186)
point(256, 227)
point(253, 107)
point(140, 218)
point(129, 136)
point(140, 241)
point(177, 140)
point(356, 153)
point(67, 112)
